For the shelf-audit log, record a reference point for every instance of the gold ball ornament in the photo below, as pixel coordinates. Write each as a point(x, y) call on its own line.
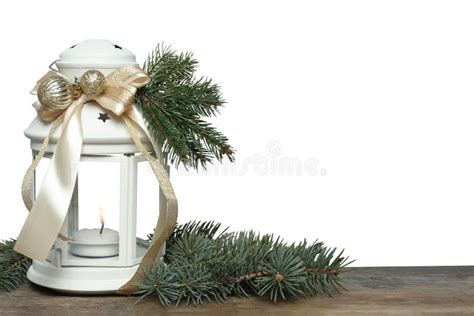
point(92, 83)
point(55, 93)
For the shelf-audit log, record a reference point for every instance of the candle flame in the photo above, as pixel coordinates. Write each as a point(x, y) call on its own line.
point(101, 216)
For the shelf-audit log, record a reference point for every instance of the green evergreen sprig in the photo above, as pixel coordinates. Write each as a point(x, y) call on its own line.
point(13, 266)
point(203, 263)
point(175, 104)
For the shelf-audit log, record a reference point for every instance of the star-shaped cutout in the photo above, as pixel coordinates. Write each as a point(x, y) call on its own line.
point(103, 117)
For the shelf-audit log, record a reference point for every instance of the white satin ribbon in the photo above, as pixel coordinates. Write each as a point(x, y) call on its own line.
point(52, 202)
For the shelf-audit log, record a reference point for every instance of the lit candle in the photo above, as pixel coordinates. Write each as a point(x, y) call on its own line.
point(95, 242)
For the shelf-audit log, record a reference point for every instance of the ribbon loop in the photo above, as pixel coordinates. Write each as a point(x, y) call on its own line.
point(120, 89)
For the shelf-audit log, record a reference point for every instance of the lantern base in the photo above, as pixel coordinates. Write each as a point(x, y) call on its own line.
point(81, 280)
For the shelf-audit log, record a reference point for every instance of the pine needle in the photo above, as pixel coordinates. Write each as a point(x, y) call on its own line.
point(13, 266)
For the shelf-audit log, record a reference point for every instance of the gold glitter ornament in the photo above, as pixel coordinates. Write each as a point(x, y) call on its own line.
point(92, 83)
point(56, 93)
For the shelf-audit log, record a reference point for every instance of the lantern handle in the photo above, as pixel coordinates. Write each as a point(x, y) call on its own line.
point(53, 64)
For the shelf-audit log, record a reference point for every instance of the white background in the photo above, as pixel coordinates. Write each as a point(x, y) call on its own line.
point(376, 97)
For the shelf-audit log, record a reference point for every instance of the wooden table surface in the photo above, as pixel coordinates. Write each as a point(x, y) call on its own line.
point(373, 291)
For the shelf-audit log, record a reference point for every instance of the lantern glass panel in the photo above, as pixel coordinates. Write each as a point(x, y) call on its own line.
point(99, 194)
point(148, 198)
point(108, 183)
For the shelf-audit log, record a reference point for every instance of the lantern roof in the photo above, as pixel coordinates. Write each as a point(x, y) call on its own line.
point(103, 132)
point(96, 53)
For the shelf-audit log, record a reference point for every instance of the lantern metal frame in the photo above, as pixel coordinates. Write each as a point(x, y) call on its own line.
point(104, 142)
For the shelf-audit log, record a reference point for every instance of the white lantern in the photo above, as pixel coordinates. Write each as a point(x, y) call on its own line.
point(94, 261)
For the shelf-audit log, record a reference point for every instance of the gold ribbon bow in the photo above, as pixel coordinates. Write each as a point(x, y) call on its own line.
point(115, 93)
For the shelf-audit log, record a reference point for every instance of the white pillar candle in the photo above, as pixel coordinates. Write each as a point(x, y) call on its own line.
point(91, 243)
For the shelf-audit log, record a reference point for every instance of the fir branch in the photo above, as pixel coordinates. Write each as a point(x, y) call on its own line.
point(207, 229)
point(254, 275)
point(13, 266)
point(204, 263)
point(174, 104)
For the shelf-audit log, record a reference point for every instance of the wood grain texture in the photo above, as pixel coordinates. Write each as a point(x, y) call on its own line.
point(373, 291)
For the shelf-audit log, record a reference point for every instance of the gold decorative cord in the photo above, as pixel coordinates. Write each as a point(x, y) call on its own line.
point(28, 178)
point(166, 220)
